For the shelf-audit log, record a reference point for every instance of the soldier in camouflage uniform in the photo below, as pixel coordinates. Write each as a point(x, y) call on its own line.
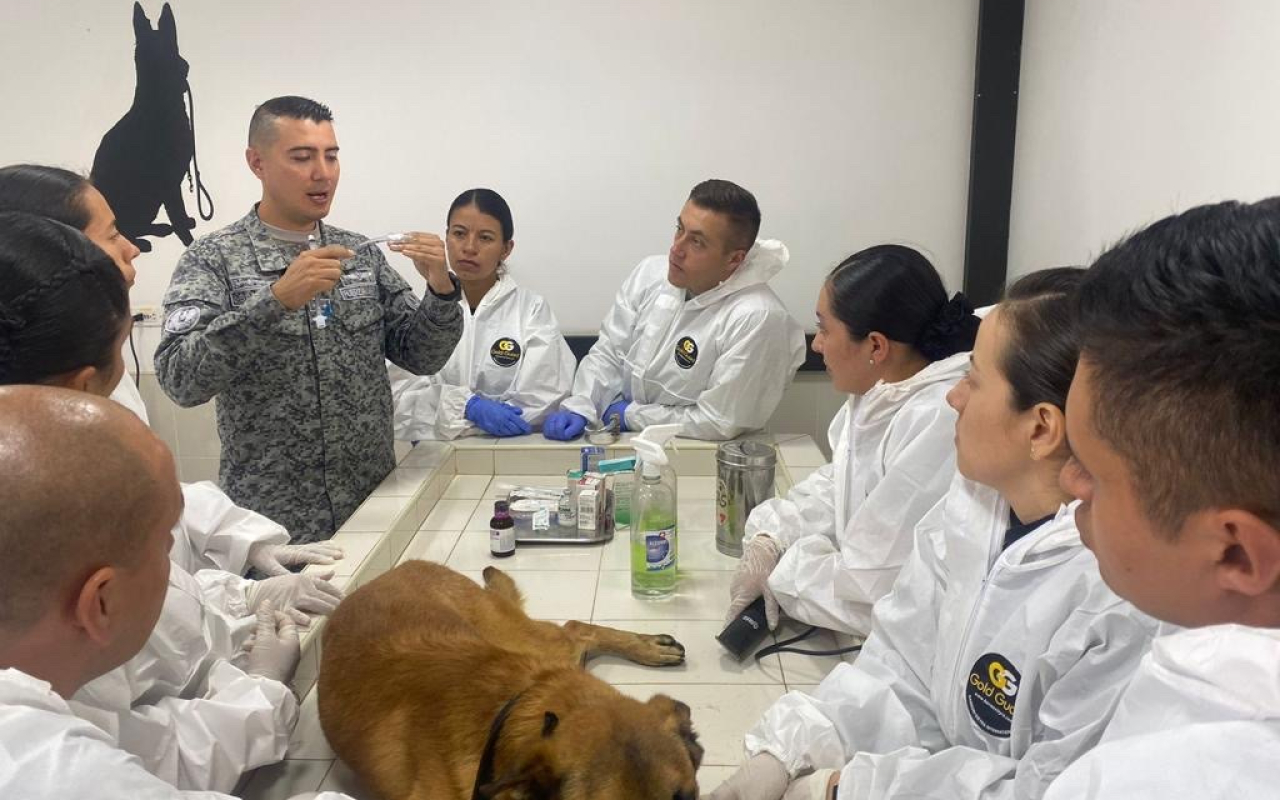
point(291, 338)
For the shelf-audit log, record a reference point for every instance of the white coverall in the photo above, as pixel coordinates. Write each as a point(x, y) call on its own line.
point(1200, 720)
point(986, 671)
point(717, 364)
point(847, 528)
point(193, 718)
point(213, 532)
point(511, 351)
point(47, 753)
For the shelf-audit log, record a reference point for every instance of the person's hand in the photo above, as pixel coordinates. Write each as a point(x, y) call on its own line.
point(619, 410)
point(763, 777)
point(497, 419)
point(428, 254)
point(273, 648)
point(814, 786)
point(564, 425)
point(296, 594)
point(274, 559)
point(752, 579)
point(311, 273)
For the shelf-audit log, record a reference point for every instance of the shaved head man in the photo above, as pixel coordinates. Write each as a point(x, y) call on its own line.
point(86, 507)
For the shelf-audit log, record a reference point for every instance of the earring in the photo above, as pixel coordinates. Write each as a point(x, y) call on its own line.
point(1033, 454)
point(871, 361)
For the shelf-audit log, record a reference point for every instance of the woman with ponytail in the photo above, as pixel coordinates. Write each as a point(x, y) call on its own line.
point(894, 342)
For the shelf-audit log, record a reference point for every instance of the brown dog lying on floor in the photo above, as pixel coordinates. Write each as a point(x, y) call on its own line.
point(433, 687)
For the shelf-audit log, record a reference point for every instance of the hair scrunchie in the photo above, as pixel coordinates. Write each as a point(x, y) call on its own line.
point(954, 318)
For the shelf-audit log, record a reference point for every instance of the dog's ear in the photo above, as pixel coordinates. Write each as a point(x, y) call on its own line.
point(141, 25)
point(549, 723)
point(167, 26)
point(680, 720)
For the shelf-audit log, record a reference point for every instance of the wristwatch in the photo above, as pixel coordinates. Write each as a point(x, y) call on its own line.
point(451, 297)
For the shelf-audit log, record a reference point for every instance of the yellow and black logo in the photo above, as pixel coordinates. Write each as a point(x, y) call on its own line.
point(505, 351)
point(991, 694)
point(686, 352)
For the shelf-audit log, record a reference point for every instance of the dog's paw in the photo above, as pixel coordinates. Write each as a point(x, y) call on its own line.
point(662, 650)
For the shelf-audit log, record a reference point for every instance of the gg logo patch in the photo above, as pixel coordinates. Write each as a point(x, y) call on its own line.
point(505, 351)
point(991, 694)
point(686, 353)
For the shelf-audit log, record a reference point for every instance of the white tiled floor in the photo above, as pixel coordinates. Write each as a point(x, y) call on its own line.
point(593, 583)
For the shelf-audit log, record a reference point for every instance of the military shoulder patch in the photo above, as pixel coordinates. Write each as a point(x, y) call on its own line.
point(181, 320)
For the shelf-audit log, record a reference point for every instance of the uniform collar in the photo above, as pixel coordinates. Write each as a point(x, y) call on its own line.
point(503, 287)
point(270, 254)
point(884, 399)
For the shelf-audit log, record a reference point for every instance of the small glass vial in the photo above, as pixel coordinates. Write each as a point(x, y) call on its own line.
point(502, 531)
point(567, 513)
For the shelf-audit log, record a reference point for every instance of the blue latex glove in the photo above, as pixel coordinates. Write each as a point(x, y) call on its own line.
point(564, 425)
point(497, 419)
point(618, 409)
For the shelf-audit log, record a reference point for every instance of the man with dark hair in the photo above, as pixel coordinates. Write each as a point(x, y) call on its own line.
point(287, 325)
point(696, 337)
point(1174, 422)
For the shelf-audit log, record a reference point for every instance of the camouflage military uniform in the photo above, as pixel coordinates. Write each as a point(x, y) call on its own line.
point(304, 410)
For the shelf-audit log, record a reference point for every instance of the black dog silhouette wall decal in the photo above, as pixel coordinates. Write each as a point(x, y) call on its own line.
point(141, 161)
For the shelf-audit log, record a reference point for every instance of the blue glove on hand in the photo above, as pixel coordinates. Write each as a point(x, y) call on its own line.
point(564, 425)
point(497, 419)
point(618, 409)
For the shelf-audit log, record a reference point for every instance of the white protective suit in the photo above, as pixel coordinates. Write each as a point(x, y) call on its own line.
point(847, 528)
point(717, 364)
point(986, 671)
point(47, 753)
point(511, 351)
point(213, 532)
point(194, 719)
point(1200, 720)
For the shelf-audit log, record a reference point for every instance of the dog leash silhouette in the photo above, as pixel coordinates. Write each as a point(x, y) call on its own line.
point(196, 186)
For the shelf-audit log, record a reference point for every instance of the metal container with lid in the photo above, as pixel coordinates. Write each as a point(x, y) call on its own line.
point(744, 479)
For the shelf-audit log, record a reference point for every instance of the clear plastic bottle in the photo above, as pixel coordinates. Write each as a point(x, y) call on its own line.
point(654, 545)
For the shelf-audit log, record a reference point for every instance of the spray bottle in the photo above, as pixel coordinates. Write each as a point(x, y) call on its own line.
point(653, 516)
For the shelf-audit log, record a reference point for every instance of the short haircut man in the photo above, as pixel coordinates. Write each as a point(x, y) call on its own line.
point(735, 203)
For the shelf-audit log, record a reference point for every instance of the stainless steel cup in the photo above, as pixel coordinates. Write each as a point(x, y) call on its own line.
point(744, 479)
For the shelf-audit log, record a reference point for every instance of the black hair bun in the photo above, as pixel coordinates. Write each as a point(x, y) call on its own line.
point(952, 330)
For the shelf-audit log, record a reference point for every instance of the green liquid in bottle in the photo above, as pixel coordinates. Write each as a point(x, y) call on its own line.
point(653, 557)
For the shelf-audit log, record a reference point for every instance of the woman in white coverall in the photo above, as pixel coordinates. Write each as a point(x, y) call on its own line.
point(833, 546)
point(1174, 427)
point(180, 705)
point(214, 533)
point(695, 337)
point(512, 366)
point(998, 657)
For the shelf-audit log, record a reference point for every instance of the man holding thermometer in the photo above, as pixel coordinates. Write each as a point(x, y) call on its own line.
point(287, 321)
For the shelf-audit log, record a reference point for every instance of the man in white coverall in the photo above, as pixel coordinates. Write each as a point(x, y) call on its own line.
point(82, 584)
point(695, 337)
point(1174, 425)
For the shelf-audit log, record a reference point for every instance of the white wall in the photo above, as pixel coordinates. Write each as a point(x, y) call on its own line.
point(1130, 110)
point(849, 119)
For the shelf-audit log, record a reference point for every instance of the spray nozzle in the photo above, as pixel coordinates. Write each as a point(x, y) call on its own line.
point(651, 446)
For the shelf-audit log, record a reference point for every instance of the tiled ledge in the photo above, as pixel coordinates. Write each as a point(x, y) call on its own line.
point(377, 534)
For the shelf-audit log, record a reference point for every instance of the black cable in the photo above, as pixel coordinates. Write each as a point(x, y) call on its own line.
point(137, 370)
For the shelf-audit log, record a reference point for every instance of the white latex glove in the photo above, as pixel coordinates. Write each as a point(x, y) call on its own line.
point(762, 778)
point(274, 559)
point(814, 786)
point(752, 578)
point(295, 594)
point(274, 649)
